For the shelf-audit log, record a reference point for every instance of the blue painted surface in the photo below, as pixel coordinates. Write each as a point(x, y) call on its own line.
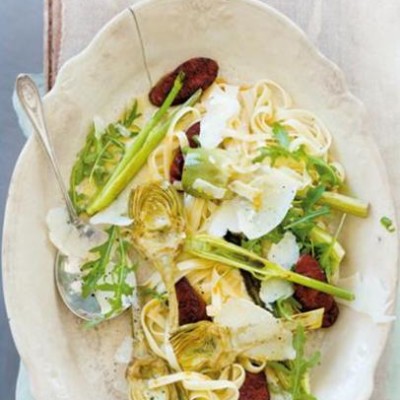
point(21, 50)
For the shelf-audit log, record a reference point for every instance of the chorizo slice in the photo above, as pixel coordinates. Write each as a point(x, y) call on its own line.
point(200, 73)
point(176, 168)
point(312, 299)
point(331, 315)
point(192, 307)
point(192, 134)
point(255, 387)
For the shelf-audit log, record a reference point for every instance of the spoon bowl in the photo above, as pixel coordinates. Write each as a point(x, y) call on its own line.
point(68, 285)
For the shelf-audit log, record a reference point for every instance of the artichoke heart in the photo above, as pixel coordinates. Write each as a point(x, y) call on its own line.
point(158, 223)
point(203, 346)
point(140, 372)
point(240, 328)
point(158, 232)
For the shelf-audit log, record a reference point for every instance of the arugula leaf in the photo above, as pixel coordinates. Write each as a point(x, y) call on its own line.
point(300, 218)
point(323, 253)
point(131, 115)
point(312, 197)
point(293, 375)
point(309, 216)
point(326, 257)
point(281, 134)
point(300, 365)
point(97, 275)
point(150, 292)
point(322, 172)
point(388, 224)
point(285, 308)
point(273, 152)
point(301, 222)
point(94, 270)
point(258, 245)
point(329, 252)
point(254, 245)
point(327, 175)
point(99, 156)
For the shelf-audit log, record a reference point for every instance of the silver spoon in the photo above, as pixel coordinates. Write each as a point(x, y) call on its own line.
point(86, 308)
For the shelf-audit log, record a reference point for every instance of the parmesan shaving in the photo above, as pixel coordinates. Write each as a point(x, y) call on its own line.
point(221, 106)
point(375, 306)
point(256, 329)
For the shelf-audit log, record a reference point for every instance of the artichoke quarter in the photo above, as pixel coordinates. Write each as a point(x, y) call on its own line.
point(239, 329)
point(203, 347)
point(158, 232)
point(141, 371)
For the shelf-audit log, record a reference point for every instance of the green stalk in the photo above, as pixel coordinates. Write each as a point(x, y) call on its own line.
point(318, 285)
point(320, 236)
point(123, 175)
point(119, 178)
point(346, 204)
point(151, 124)
point(219, 250)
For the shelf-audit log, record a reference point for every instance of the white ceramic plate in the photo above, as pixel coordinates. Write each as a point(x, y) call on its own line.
point(250, 41)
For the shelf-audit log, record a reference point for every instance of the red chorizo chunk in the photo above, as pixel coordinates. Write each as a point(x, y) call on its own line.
point(193, 132)
point(309, 266)
point(176, 168)
point(175, 172)
point(192, 307)
point(331, 315)
point(312, 299)
point(255, 387)
point(200, 73)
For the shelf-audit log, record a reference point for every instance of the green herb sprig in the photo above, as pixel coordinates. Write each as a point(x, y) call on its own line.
point(307, 219)
point(281, 134)
point(388, 224)
point(100, 156)
point(259, 246)
point(98, 276)
point(323, 173)
point(154, 294)
point(285, 308)
point(302, 217)
point(293, 375)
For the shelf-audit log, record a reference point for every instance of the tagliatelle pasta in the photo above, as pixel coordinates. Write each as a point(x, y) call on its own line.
point(200, 386)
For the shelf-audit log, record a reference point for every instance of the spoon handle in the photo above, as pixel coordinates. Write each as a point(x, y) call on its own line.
point(29, 97)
